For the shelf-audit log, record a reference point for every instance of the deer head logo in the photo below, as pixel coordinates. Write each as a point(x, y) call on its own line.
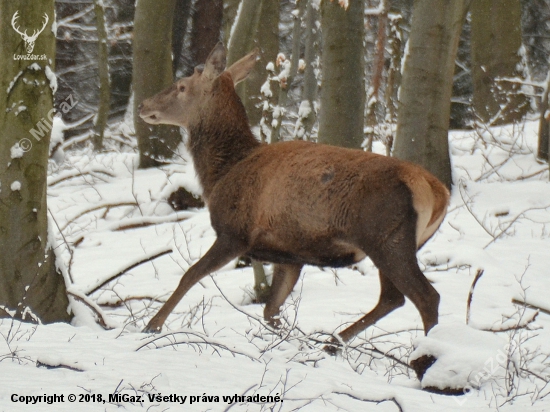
point(29, 40)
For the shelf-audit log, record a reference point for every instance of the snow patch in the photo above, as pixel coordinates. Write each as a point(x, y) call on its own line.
point(16, 151)
point(52, 78)
point(15, 186)
point(266, 89)
point(305, 109)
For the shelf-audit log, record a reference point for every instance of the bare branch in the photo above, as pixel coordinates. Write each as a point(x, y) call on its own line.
point(132, 266)
point(479, 274)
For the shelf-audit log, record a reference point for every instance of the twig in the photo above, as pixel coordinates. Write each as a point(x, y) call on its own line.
point(461, 187)
point(132, 266)
point(361, 348)
point(68, 248)
point(244, 393)
point(513, 221)
point(202, 340)
point(479, 274)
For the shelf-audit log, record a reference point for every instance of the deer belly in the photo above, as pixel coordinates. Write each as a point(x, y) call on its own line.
point(316, 252)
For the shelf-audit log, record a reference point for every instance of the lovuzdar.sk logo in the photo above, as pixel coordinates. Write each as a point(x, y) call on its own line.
point(28, 39)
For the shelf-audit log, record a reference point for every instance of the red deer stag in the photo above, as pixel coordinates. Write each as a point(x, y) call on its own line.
point(298, 203)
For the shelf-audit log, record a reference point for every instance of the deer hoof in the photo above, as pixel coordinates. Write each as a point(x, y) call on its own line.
point(151, 329)
point(275, 323)
point(333, 346)
point(331, 349)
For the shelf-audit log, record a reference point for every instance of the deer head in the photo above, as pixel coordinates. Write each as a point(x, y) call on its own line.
point(182, 103)
point(29, 40)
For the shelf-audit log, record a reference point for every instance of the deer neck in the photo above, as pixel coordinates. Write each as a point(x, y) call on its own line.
point(216, 147)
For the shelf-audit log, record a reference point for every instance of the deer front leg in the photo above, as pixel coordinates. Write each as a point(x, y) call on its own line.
point(220, 254)
point(284, 279)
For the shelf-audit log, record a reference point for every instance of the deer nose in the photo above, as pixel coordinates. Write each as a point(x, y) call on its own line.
point(140, 107)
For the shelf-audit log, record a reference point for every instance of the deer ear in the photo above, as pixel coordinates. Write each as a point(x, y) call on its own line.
point(242, 68)
point(215, 63)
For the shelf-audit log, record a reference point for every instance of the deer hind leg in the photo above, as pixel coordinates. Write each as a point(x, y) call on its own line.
point(284, 279)
point(398, 262)
point(390, 299)
point(220, 254)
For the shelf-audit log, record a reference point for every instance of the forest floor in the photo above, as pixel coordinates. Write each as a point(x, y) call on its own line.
point(216, 345)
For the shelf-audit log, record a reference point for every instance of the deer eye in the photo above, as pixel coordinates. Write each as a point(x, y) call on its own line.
point(181, 88)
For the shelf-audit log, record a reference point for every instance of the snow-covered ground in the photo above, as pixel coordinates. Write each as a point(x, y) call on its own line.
point(215, 344)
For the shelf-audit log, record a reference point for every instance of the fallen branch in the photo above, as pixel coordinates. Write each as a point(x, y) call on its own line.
point(148, 222)
point(518, 326)
point(40, 364)
point(77, 139)
point(83, 299)
point(532, 174)
point(122, 302)
point(530, 306)
point(357, 398)
point(95, 208)
point(132, 266)
point(74, 174)
point(140, 222)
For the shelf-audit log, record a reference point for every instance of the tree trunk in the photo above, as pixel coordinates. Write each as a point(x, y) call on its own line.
point(241, 38)
point(182, 11)
point(496, 40)
point(544, 124)
point(285, 83)
point(376, 78)
point(152, 72)
point(307, 114)
point(100, 122)
point(343, 92)
point(267, 39)
point(230, 8)
point(258, 25)
point(207, 25)
point(425, 96)
point(31, 287)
